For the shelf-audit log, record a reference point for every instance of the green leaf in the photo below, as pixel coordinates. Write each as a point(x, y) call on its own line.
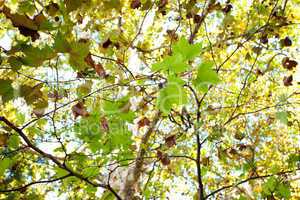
point(107, 195)
point(182, 52)
point(206, 76)
point(187, 50)
point(61, 45)
point(269, 186)
point(15, 62)
point(6, 90)
point(112, 4)
point(84, 88)
point(31, 94)
point(121, 138)
point(4, 165)
point(293, 159)
point(283, 191)
point(79, 50)
point(90, 171)
point(46, 26)
point(174, 63)
point(172, 94)
point(282, 117)
point(13, 141)
point(119, 109)
point(72, 5)
point(26, 7)
point(60, 172)
point(35, 56)
point(242, 198)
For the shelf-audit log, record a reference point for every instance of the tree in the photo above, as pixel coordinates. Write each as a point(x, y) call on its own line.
point(149, 99)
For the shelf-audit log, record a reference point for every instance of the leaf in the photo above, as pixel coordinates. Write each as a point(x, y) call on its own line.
point(143, 122)
point(287, 80)
point(60, 172)
point(84, 88)
point(6, 90)
point(269, 186)
point(4, 165)
point(112, 4)
point(170, 140)
point(19, 20)
point(13, 141)
point(90, 171)
point(172, 94)
point(135, 4)
point(35, 56)
point(282, 117)
point(286, 42)
point(107, 195)
point(61, 44)
point(104, 124)
point(206, 76)
point(289, 64)
point(165, 160)
point(100, 70)
point(119, 109)
point(26, 26)
point(15, 62)
point(79, 110)
point(293, 160)
point(52, 9)
point(3, 139)
point(187, 50)
point(26, 7)
point(72, 5)
point(79, 51)
point(31, 94)
point(283, 191)
point(174, 63)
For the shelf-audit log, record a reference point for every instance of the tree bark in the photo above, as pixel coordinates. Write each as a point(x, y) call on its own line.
point(134, 175)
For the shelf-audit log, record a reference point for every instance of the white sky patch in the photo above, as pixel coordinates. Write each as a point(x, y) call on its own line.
point(6, 41)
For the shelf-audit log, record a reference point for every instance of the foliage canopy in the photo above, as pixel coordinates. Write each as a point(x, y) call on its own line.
point(149, 99)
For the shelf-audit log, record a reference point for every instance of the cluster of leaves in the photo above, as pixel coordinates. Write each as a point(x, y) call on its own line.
point(149, 99)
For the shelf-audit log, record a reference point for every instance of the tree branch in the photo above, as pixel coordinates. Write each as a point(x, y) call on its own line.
point(34, 183)
point(134, 175)
point(249, 179)
point(53, 159)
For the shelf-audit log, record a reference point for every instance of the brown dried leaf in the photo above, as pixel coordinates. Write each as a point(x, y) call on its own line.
point(79, 110)
point(98, 67)
point(3, 139)
point(286, 42)
point(55, 95)
point(162, 4)
point(89, 60)
point(165, 160)
point(52, 9)
point(227, 8)
point(39, 19)
point(135, 4)
point(159, 154)
point(100, 70)
point(289, 64)
point(104, 124)
point(170, 140)
point(143, 122)
point(205, 161)
point(26, 26)
point(287, 80)
point(163, 157)
point(106, 44)
point(38, 112)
